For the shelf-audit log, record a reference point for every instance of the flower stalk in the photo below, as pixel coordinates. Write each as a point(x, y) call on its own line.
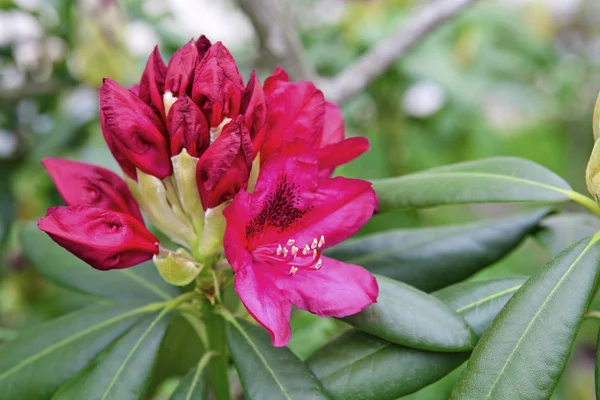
point(217, 366)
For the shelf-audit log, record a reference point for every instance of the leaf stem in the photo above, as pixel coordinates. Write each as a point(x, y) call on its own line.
point(217, 367)
point(584, 201)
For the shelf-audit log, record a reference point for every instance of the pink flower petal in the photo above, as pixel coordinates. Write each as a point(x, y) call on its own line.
point(337, 289)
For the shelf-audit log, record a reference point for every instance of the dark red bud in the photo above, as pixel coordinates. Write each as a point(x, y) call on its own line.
point(188, 128)
point(202, 45)
point(152, 84)
point(254, 109)
point(116, 149)
point(225, 167)
point(218, 85)
point(104, 239)
point(81, 183)
point(180, 72)
point(135, 131)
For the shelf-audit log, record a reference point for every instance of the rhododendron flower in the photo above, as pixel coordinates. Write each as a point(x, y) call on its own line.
point(299, 110)
point(189, 137)
point(275, 236)
point(102, 223)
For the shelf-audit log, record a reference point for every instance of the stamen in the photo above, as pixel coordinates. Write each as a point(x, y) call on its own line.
point(314, 243)
point(291, 242)
point(321, 241)
point(319, 264)
point(290, 260)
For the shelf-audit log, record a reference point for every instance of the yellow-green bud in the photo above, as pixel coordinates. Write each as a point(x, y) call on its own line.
point(592, 172)
point(175, 269)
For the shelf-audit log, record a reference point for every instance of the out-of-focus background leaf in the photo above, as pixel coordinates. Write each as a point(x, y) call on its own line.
point(507, 77)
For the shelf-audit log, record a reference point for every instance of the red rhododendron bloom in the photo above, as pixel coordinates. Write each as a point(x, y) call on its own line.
point(275, 236)
point(187, 138)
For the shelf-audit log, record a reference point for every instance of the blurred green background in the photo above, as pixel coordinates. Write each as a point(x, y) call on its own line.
point(507, 77)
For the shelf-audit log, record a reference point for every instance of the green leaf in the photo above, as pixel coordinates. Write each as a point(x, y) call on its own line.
point(124, 370)
point(193, 385)
point(141, 282)
point(179, 351)
point(311, 332)
point(492, 180)
point(524, 352)
point(34, 365)
point(480, 301)
point(560, 231)
point(405, 315)
point(358, 365)
point(433, 258)
point(268, 372)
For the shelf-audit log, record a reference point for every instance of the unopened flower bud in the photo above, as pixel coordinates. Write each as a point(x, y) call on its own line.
point(592, 172)
point(175, 269)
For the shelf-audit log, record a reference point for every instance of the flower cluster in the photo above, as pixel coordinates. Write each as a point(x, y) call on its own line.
point(220, 166)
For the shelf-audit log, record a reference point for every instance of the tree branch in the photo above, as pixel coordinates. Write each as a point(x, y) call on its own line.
point(356, 77)
point(277, 37)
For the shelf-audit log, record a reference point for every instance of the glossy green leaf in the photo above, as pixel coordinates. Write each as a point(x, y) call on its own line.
point(524, 352)
point(433, 258)
point(124, 370)
point(179, 351)
point(562, 230)
point(268, 372)
point(358, 365)
point(406, 316)
point(40, 360)
point(141, 282)
point(480, 301)
point(491, 180)
point(193, 385)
